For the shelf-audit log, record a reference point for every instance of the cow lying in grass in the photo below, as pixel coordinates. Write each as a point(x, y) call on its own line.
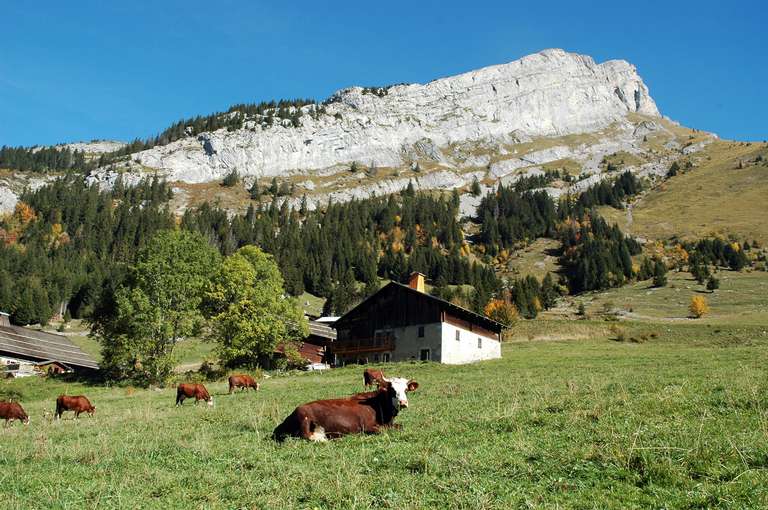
point(243, 382)
point(367, 413)
point(189, 390)
point(10, 411)
point(78, 404)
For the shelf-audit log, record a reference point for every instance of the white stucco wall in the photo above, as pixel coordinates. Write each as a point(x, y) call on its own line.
point(440, 339)
point(408, 345)
point(466, 350)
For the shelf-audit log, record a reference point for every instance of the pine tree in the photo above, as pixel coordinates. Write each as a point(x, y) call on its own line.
point(254, 192)
point(659, 274)
point(475, 188)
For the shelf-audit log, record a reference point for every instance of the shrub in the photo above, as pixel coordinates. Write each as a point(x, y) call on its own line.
point(713, 284)
point(698, 307)
point(619, 333)
point(231, 179)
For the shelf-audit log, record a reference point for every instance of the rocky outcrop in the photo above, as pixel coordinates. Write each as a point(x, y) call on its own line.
point(551, 93)
point(95, 147)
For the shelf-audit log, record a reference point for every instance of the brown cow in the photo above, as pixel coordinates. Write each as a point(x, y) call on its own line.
point(10, 411)
point(78, 404)
point(328, 419)
point(243, 382)
point(189, 390)
point(371, 377)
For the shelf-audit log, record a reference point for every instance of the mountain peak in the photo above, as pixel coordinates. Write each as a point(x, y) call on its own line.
point(550, 93)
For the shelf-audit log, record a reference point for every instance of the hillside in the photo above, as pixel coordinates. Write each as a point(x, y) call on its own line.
point(714, 197)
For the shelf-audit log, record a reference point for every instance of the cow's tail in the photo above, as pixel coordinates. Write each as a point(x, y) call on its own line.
point(59, 408)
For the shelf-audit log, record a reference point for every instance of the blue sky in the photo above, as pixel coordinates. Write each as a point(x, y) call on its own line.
point(124, 69)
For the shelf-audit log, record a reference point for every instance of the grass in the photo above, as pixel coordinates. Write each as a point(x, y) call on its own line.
point(740, 300)
point(536, 259)
point(715, 197)
point(680, 421)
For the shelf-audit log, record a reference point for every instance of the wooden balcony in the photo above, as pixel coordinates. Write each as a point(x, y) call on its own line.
point(358, 345)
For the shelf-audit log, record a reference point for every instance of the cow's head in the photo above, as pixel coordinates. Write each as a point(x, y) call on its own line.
point(92, 410)
point(25, 420)
point(401, 386)
point(210, 401)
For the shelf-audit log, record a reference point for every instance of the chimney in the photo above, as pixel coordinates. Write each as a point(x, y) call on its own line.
point(4, 319)
point(416, 281)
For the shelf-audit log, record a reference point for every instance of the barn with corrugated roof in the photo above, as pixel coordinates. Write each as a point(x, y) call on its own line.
point(49, 352)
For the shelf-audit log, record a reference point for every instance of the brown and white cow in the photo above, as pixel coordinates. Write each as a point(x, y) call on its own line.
point(10, 411)
point(189, 390)
point(397, 382)
point(243, 382)
point(78, 404)
point(371, 377)
point(367, 413)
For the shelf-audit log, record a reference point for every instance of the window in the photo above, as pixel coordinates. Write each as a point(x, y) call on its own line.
point(385, 357)
point(424, 355)
point(458, 335)
point(421, 331)
point(376, 357)
point(479, 343)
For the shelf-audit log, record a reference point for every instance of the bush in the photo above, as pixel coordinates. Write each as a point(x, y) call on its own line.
point(713, 284)
point(231, 179)
point(698, 307)
point(620, 334)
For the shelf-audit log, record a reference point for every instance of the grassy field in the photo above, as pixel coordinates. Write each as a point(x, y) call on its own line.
point(715, 197)
point(680, 421)
point(741, 299)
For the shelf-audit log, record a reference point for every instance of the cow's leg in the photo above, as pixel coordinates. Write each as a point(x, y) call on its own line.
point(77, 415)
point(231, 388)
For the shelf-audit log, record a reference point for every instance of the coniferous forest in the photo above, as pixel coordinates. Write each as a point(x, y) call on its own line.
point(67, 246)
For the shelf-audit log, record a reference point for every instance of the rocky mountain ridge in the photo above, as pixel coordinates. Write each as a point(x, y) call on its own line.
point(548, 110)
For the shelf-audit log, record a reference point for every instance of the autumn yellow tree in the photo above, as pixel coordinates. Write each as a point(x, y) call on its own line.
point(698, 307)
point(502, 311)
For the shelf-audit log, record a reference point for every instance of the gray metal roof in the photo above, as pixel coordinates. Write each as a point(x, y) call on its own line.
point(41, 346)
point(322, 329)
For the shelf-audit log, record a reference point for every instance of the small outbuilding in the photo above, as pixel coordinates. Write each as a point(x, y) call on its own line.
point(23, 349)
point(314, 348)
point(403, 322)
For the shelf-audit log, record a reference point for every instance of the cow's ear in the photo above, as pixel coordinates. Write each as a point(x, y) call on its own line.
point(412, 385)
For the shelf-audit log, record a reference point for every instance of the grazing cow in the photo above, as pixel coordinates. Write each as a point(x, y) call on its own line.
point(10, 411)
point(189, 390)
point(78, 404)
point(243, 382)
point(371, 377)
point(367, 413)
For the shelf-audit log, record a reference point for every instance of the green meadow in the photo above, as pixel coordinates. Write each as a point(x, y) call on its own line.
point(676, 420)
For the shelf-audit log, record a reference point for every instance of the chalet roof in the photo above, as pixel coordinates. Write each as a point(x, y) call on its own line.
point(41, 346)
point(459, 311)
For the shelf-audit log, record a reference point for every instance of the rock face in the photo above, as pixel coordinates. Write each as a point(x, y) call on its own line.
point(548, 94)
point(95, 147)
